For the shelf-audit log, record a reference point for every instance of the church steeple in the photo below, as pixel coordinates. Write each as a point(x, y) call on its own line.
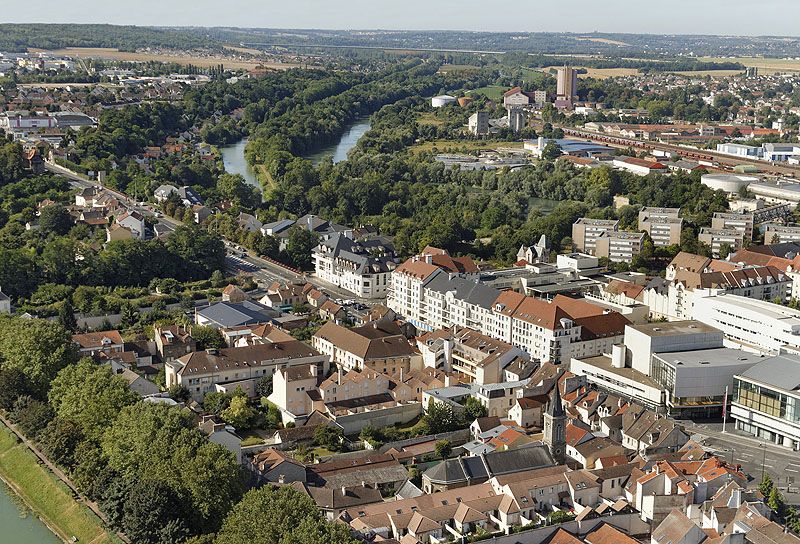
point(555, 421)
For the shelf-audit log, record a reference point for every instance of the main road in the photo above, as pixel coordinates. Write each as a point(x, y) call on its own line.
point(237, 258)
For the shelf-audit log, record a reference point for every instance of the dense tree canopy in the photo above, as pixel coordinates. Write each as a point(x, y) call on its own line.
point(39, 349)
point(280, 516)
point(90, 395)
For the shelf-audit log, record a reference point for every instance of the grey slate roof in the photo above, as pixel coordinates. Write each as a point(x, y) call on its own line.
point(781, 372)
point(228, 314)
point(365, 256)
point(475, 293)
point(480, 468)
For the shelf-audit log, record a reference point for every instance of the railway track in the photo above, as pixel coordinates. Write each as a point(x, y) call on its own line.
point(694, 154)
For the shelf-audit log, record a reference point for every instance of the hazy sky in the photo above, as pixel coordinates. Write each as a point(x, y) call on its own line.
point(728, 17)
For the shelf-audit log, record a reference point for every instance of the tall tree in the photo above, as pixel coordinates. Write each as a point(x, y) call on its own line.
point(153, 510)
point(90, 395)
point(279, 516)
point(37, 348)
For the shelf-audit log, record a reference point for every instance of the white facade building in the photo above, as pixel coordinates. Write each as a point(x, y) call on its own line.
point(753, 324)
point(363, 267)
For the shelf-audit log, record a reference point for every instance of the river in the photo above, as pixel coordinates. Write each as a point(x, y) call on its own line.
point(21, 529)
point(347, 142)
point(235, 163)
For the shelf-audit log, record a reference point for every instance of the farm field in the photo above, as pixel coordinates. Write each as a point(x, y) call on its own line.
point(202, 61)
point(601, 73)
point(600, 40)
point(492, 92)
point(768, 66)
point(712, 73)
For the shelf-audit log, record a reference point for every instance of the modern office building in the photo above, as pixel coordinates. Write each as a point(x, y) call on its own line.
point(766, 400)
point(641, 341)
point(695, 381)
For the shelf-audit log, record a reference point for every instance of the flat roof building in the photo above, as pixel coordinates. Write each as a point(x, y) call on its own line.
point(766, 400)
point(743, 222)
point(696, 381)
point(754, 324)
point(662, 224)
point(717, 238)
point(585, 232)
point(619, 246)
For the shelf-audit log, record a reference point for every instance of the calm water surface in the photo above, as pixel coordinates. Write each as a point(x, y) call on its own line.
point(18, 528)
point(235, 163)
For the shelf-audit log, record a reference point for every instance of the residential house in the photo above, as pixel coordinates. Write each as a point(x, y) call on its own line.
point(378, 346)
point(472, 356)
point(173, 341)
point(202, 371)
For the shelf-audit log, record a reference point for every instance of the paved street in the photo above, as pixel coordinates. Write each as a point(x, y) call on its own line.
point(782, 464)
point(264, 271)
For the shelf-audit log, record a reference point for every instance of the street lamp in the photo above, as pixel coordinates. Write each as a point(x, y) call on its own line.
point(763, 459)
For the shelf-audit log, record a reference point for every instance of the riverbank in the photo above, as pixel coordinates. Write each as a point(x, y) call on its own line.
point(234, 161)
point(46, 496)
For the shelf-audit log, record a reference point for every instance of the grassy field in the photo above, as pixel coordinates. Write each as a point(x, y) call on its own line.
point(469, 145)
point(245, 50)
point(766, 66)
point(204, 61)
point(447, 68)
point(429, 119)
point(532, 75)
point(48, 497)
point(492, 92)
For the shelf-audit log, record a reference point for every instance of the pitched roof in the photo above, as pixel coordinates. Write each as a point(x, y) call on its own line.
point(92, 340)
point(368, 342)
point(201, 362)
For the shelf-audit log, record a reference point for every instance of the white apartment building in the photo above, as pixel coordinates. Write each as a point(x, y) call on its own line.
point(619, 246)
point(557, 330)
point(363, 267)
point(585, 233)
point(752, 324)
point(779, 234)
point(676, 297)
point(550, 331)
point(414, 294)
point(716, 238)
point(202, 372)
point(662, 224)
